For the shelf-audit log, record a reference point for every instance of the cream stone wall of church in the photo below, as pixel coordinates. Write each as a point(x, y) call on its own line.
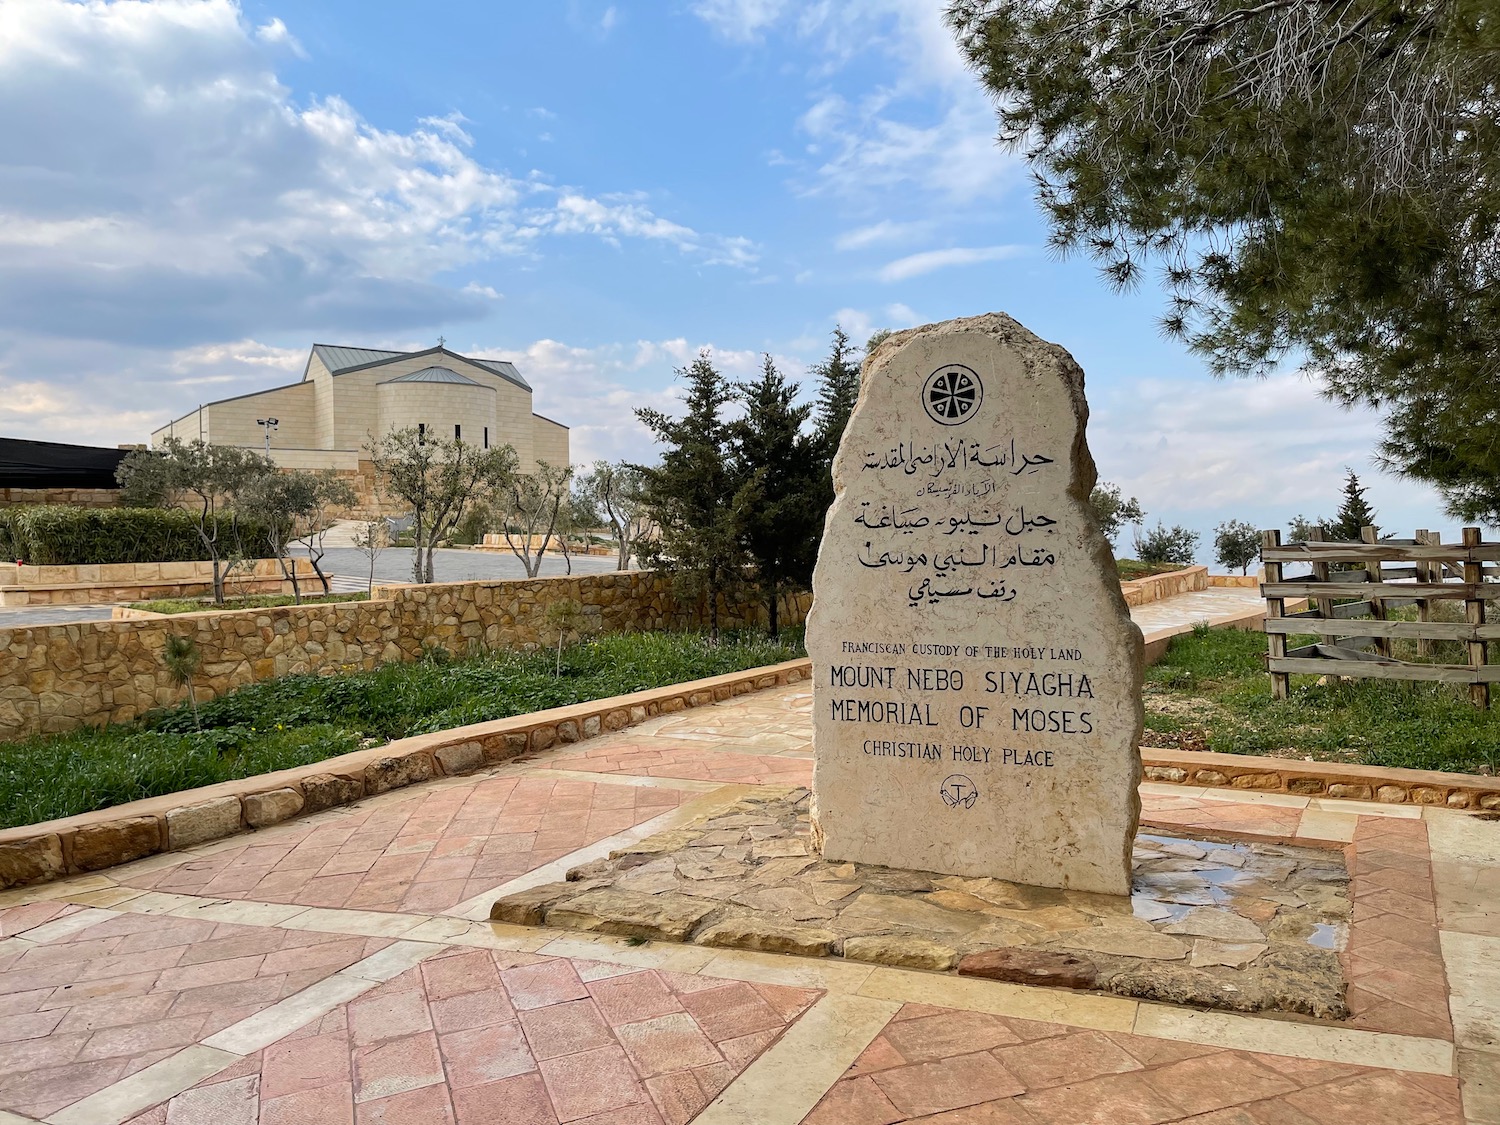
point(337, 415)
point(438, 406)
point(551, 441)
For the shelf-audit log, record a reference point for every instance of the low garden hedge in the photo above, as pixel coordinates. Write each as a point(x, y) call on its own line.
point(56, 535)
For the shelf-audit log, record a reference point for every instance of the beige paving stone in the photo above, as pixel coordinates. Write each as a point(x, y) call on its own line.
point(1473, 967)
point(1298, 1040)
point(782, 1086)
point(1319, 824)
point(156, 1083)
point(265, 809)
point(1480, 1074)
point(367, 923)
point(902, 951)
point(281, 1019)
point(392, 961)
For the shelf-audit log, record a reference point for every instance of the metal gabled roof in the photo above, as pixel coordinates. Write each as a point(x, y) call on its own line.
point(436, 375)
point(337, 358)
point(503, 368)
point(340, 359)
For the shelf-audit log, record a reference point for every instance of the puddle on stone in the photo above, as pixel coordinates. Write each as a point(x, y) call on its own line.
point(1241, 926)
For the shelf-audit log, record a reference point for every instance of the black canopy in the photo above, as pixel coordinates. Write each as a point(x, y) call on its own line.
point(48, 464)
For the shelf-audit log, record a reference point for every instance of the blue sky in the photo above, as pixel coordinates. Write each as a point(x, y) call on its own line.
point(192, 192)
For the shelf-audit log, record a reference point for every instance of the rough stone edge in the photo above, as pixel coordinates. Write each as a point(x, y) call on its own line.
point(1381, 784)
point(34, 849)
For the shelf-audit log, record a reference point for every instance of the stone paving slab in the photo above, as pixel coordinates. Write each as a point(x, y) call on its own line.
point(1427, 873)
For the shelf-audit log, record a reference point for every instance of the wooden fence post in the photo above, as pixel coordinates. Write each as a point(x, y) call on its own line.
point(1372, 574)
point(1275, 607)
point(1479, 694)
point(1320, 573)
point(1425, 572)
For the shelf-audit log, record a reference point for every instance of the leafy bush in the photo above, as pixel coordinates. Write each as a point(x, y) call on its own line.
point(56, 535)
point(1163, 544)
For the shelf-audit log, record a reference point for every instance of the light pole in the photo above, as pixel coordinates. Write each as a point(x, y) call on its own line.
point(268, 424)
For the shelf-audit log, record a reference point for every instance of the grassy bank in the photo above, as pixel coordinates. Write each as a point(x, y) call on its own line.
point(298, 720)
point(1131, 569)
point(1211, 692)
point(251, 601)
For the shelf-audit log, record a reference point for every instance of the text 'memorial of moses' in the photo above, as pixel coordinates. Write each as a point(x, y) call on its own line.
point(977, 677)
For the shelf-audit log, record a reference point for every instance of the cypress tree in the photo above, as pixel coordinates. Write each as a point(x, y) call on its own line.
point(692, 494)
point(1354, 513)
point(779, 499)
point(838, 389)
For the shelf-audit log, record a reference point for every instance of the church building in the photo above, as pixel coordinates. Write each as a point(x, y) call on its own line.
point(346, 396)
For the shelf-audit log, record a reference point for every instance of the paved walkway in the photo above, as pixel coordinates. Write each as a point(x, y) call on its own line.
point(337, 970)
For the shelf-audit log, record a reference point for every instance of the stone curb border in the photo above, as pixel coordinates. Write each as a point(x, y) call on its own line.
point(39, 853)
point(1384, 785)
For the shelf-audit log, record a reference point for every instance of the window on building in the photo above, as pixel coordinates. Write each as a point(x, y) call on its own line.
point(421, 431)
point(458, 432)
point(486, 437)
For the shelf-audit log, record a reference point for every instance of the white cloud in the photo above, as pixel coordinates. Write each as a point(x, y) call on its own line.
point(915, 265)
point(1183, 446)
point(929, 125)
point(880, 233)
point(740, 19)
point(174, 191)
point(275, 32)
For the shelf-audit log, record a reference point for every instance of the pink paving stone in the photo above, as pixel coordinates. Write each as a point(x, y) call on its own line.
point(395, 1066)
point(633, 996)
point(39, 1093)
point(855, 1102)
point(591, 1082)
point(932, 1087)
point(116, 1042)
point(236, 1102)
point(470, 1010)
point(565, 1029)
point(521, 1100)
point(730, 1011)
point(387, 1015)
point(304, 1064)
point(455, 974)
point(550, 982)
point(486, 1055)
point(666, 1043)
point(327, 1105)
point(678, 1096)
point(1072, 1058)
point(430, 1105)
point(950, 1033)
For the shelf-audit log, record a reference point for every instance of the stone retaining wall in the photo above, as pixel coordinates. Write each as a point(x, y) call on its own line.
point(42, 852)
point(135, 582)
point(1156, 587)
point(59, 677)
point(73, 497)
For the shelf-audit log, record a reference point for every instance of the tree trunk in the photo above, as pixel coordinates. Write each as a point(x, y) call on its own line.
point(429, 571)
point(416, 550)
point(371, 592)
point(773, 605)
point(218, 582)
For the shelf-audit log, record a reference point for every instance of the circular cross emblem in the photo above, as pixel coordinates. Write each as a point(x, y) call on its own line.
point(952, 394)
point(958, 792)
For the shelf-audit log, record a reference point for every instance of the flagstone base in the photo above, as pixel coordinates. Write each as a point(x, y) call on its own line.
point(1230, 925)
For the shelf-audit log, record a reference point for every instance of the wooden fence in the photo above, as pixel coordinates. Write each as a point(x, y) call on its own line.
point(1351, 589)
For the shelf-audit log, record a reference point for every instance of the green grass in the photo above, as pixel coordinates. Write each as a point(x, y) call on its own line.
point(253, 601)
point(298, 720)
point(1211, 692)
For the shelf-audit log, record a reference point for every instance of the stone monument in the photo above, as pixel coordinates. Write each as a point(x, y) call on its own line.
point(977, 677)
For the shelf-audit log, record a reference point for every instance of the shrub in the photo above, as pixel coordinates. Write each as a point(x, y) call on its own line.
point(56, 535)
point(1163, 544)
point(1236, 544)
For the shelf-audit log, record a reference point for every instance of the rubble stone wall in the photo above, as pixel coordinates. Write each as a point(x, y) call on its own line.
point(58, 677)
